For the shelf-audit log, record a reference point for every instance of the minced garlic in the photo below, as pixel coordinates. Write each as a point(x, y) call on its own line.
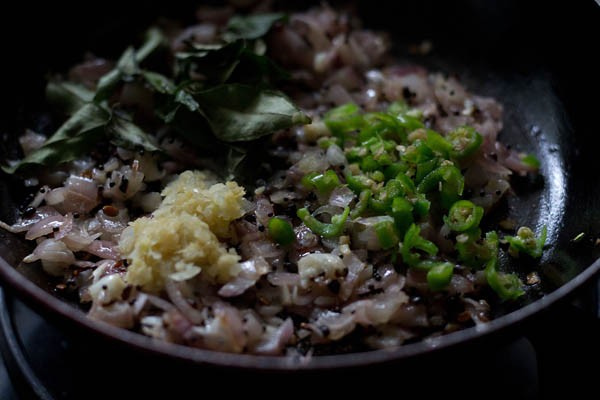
point(181, 238)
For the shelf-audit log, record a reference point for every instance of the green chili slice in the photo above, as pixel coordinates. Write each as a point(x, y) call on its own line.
point(281, 231)
point(464, 141)
point(361, 206)
point(333, 229)
point(507, 286)
point(386, 234)
point(474, 254)
point(463, 215)
point(324, 183)
point(413, 241)
point(439, 276)
point(344, 119)
point(526, 242)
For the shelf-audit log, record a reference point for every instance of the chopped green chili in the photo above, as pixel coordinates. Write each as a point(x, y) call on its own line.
point(361, 206)
point(464, 141)
point(401, 169)
point(281, 231)
point(413, 241)
point(324, 182)
point(531, 161)
point(474, 254)
point(386, 234)
point(449, 180)
point(402, 213)
point(357, 183)
point(439, 276)
point(463, 215)
point(333, 229)
point(507, 286)
point(343, 119)
point(526, 242)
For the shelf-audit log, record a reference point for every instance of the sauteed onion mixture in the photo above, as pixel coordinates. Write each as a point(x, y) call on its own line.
point(272, 183)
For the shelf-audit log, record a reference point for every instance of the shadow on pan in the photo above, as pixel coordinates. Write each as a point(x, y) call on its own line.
point(499, 48)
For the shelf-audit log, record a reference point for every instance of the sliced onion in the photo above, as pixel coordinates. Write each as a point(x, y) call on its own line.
point(341, 197)
point(275, 341)
point(103, 249)
point(192, 314)
point(118, 314)
point(283, 279)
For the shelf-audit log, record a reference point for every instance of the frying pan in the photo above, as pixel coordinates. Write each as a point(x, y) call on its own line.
point(518, 53)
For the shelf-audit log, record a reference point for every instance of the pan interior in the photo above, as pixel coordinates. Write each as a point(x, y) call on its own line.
point(538, 119)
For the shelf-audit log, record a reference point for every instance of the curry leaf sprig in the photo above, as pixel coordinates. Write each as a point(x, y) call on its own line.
point(223, 90)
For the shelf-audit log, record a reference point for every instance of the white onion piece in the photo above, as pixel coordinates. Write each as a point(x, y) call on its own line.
point(45, 227)
point(274, 341)
point(251, 271)
point(103, 249)
point(118, 314)
point(316, 264)
point(264, 211)
point(108, 289)
point(283, 279)
point(31, 141)
point(192, 314)
point(363, 231)
point(224, 332)
point(55, 256)
point(55, 196)
point(283, 196)
point(159, 303)
point(341, 196)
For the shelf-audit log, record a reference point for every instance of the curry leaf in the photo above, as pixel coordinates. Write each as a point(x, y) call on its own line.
point(213, 63)
point(163, 85)
point(153, 41)
point(110, 81)
point(128, 65)
point(68, 97)
point(77, 136)
point(237, 112)
point(159, 82)
point(251, 26)
point(126, 134)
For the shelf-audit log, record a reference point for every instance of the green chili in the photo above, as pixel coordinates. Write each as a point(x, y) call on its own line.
point(383, 202)
point(531, 161)
point(464, 141)
point(438, 143)
point(413, 240)
point(281, 231)
point(357, 183)
point(343, 119)
point(398, 108)
point(474, 254)
point(452, 183)
point(361, 206)
point(392, 170)
point(402, 213)
point(324, 182)
point(440, 275)
point(335, 228)
point(526, 242)
point(386, 234)
point(422, 205)
point(463, 215)
point(507, 286)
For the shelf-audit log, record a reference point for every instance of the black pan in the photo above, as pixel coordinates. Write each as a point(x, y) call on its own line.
point(521, 54)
